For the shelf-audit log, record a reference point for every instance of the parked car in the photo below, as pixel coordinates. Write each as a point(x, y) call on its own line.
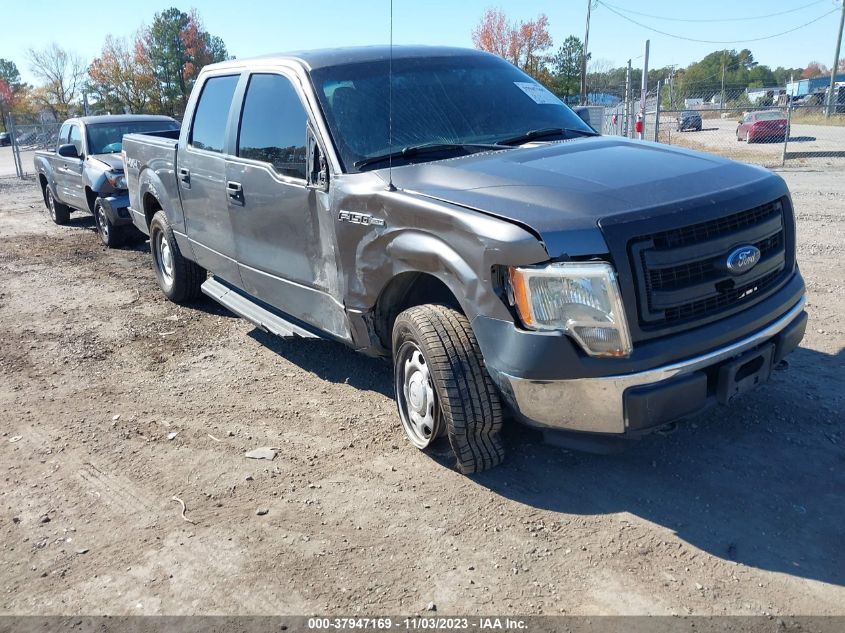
point(688, 120)
point(5, 139)
point(85, 171)
point(768, 125)
point(501, 253)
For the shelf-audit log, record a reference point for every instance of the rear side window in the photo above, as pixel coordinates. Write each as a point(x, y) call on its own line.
point(273, 125)
point(209, 128)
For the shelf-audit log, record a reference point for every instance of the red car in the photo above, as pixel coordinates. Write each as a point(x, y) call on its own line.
point(769, 125)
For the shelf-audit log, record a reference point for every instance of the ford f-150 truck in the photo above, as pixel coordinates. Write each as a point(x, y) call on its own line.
point(446, 211)
point(85, 171)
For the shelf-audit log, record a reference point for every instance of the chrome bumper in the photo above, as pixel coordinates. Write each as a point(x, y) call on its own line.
point(596, 404)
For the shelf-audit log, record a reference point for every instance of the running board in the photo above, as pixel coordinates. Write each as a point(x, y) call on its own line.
point(252, 312)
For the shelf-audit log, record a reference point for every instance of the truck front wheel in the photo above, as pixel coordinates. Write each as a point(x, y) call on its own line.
point(442, 385)
point(110, 235)
point(179, 278)
point(59, 213)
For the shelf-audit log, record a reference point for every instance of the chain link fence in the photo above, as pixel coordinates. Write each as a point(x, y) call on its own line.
point(26, 138)
point(766, 127)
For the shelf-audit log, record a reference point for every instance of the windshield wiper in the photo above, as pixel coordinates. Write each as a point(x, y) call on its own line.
point(426, 148)
point(533, 135)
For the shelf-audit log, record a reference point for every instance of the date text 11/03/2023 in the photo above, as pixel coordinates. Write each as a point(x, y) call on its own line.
point(418, 624)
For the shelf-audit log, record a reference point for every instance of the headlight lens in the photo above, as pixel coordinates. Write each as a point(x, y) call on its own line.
point(582, 299)
point(117, 179)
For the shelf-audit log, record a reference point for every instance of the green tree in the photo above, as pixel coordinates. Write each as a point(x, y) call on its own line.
point(566, 68)
point(178, 47)
point(10, 84)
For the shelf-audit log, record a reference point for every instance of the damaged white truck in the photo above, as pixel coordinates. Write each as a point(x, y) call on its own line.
point(449, 213)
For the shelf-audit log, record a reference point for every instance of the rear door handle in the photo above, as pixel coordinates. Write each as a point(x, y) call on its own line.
point(235, 191)
point(185, 175)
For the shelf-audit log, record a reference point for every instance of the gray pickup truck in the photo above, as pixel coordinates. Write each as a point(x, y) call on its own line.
point(85, 171)
point(454, 216)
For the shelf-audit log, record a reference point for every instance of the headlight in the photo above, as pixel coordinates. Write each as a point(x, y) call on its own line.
point(117, 179)
point(582, 299)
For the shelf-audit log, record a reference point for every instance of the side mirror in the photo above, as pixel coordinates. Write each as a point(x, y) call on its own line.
point(68, 151)
point(584, 114)
point(317, 176)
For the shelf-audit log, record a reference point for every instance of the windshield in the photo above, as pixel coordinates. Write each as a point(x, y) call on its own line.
point(472, 99)
point(769, 116)
point(107, 138)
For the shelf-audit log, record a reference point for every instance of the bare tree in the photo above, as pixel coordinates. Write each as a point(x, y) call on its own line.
point(63, 73)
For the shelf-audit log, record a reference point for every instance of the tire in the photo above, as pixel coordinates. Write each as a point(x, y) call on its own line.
point(438, 368)
point(59, 213)
point(179, 278)
point(110, 235)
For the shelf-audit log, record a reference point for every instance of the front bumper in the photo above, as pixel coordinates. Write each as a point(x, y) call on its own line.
point(117, 209)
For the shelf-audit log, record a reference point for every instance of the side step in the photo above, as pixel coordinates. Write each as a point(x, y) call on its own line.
point(252, 312)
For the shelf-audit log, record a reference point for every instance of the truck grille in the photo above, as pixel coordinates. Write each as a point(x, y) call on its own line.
point(682, 274)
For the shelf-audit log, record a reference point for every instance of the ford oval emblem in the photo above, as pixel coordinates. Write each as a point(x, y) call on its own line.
point(743, 259)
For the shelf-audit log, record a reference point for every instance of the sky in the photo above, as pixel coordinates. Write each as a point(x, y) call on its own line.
point(252, 27)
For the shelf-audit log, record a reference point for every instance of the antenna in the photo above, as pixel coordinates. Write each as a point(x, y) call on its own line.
point(390, 186)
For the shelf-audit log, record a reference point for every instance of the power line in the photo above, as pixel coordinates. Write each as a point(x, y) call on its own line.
point(692, 39)
point(668, 19)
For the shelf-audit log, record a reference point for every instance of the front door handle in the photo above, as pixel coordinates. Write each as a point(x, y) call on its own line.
point(235, 191)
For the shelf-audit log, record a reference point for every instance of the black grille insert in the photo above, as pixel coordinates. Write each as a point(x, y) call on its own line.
point(682, 273)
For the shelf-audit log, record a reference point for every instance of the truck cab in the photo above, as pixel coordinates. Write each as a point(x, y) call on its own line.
point(441, 209)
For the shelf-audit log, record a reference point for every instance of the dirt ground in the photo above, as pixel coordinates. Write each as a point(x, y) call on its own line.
point(740, 511)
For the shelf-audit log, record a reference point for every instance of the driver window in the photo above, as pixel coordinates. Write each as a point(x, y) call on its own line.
point(272, 126)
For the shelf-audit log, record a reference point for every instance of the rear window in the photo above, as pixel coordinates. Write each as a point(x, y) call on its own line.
point(209, 128)
point(769, 116)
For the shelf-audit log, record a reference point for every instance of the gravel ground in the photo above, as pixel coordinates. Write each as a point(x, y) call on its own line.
point(740, 511)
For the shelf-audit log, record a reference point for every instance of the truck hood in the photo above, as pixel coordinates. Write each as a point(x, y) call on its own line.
point(110, 161)
point(560, 191)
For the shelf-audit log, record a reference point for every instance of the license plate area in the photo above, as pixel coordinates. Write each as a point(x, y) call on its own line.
point(744, 373)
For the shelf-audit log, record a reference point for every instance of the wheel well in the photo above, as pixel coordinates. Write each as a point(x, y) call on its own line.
point(151, 207)
point(42, 179)
point(91, 197)
point(404, 291)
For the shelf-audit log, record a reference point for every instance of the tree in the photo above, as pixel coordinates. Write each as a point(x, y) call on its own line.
point(566, 67)
point(814, 69)
point(177, 47)
point(10, 83)
point(122, 77)
point(521, 43)
point(494, 34)
point(63, 74)
point(531, 41)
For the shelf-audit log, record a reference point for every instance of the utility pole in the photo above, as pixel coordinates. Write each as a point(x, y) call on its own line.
point(830, 99)
point(671, 86)
point(722, 98)
point(584, 56)
point(627, 114)
point(644, 91)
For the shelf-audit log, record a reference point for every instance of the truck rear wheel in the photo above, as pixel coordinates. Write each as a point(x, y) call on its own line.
point(59, 213)
point(443, 385)
point(179, 278)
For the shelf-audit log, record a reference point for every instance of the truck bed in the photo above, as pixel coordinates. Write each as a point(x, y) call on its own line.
point(156, 153)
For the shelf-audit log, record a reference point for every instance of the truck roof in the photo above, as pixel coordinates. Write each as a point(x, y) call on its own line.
point(321, 58)
point(118, 118)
